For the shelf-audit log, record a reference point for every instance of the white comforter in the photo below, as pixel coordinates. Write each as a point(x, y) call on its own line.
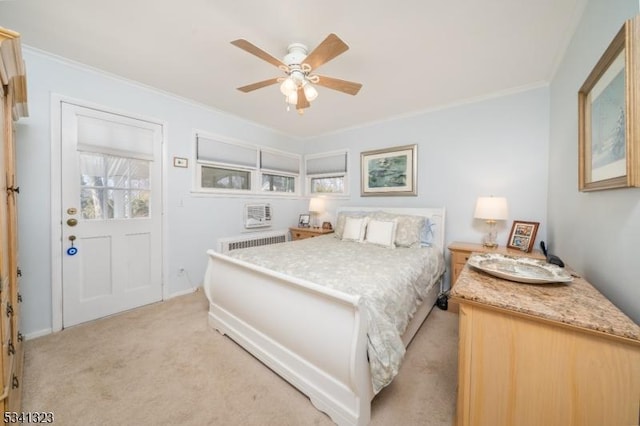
point(392, 283)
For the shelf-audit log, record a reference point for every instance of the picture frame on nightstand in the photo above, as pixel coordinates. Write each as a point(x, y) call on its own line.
point(523, 235)
point(304, 221)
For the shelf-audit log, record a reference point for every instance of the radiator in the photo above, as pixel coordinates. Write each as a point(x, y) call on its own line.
point(253, 239)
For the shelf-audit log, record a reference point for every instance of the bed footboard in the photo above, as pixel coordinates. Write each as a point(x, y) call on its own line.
point(312, 336)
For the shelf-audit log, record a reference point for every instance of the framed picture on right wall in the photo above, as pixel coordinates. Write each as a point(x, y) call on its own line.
point(523, 235)
point(609, 116)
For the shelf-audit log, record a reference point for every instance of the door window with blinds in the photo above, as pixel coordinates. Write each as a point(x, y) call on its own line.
point(327, 173)
point(232, 167)
point(115, 164)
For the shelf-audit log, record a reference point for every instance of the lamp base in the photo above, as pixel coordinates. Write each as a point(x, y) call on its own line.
point(490, 238)
point(314, 220)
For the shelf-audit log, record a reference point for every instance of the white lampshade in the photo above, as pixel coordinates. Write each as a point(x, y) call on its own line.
point(316, 205)
point(491, 208)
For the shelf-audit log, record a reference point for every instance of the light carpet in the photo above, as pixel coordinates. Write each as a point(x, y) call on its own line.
point(162, 364)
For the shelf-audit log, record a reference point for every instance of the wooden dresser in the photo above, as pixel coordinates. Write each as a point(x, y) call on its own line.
point(552, 354)
point(302, 233)
point(13, 105)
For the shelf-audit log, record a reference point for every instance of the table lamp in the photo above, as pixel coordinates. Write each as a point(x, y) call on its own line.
point(491, 209)
point(316, 206)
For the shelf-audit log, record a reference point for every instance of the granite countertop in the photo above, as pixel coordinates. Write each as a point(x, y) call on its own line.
point(576, 303)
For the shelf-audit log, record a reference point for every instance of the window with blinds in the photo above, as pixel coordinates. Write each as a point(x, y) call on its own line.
point(279, 171)
point(327, 173)
point(228, 166)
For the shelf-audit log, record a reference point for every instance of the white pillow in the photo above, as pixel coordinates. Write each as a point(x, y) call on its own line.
point(339, 228)
point(354, 228)
point(381, 232)
point(408, 230)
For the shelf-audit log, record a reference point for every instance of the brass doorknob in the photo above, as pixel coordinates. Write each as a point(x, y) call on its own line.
point(72, 222)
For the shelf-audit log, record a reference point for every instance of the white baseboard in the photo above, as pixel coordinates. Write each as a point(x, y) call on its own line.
point(39, 333)
point(184, 292)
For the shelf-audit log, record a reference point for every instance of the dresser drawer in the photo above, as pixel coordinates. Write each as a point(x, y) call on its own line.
point(302, 233)
point(299, 235)
point(7, 363)
point(460, 257)
point(5, 322)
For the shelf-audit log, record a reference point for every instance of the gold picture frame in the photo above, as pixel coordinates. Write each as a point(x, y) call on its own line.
point(608, 110)
point(389, 171)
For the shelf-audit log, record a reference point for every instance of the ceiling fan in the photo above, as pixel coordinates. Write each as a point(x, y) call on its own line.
point(299, 65)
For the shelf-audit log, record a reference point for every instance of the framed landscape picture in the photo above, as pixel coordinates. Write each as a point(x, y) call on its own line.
point(390, 171)
point(523, 235)
point(608, 115)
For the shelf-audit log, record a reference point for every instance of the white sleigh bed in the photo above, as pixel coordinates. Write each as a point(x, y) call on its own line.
point(312, 335)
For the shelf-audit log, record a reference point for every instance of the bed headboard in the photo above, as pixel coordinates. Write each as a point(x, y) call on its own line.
point(436, 214)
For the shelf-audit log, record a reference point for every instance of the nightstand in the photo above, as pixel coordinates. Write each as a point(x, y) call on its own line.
point(460, 253)
point(302, 233)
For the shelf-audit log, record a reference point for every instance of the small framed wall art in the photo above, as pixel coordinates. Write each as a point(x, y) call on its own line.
point(180, 162)
point(609, 116)
point(390, 171)
point(523, 235)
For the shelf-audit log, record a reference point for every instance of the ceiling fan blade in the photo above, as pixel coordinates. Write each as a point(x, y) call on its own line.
point(344, 86)
point(258, 85)
point(255, 50)
point(302, 100)
point(330, 47)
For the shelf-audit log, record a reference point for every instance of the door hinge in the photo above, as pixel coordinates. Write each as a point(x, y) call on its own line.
point(19, 272)
point(10, 348)
point(19, 298)
point(20, 336)
point(9, 309)
point(15, 383)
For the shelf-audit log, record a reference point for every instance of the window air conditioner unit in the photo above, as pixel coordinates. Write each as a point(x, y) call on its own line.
point(257, 215)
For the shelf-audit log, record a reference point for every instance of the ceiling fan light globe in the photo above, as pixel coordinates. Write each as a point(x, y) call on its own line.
point(288, 87)
point(292, 98)
point(310, 92)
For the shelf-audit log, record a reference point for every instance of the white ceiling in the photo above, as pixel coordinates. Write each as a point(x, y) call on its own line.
point(410, 55)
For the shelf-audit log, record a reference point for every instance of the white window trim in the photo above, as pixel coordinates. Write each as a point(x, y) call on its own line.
point(198, 179)
point(279, 173)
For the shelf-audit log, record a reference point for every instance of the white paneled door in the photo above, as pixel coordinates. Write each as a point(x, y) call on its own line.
point(111, 172)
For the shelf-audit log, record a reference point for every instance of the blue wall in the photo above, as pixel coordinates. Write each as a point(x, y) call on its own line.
point(597, 233)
